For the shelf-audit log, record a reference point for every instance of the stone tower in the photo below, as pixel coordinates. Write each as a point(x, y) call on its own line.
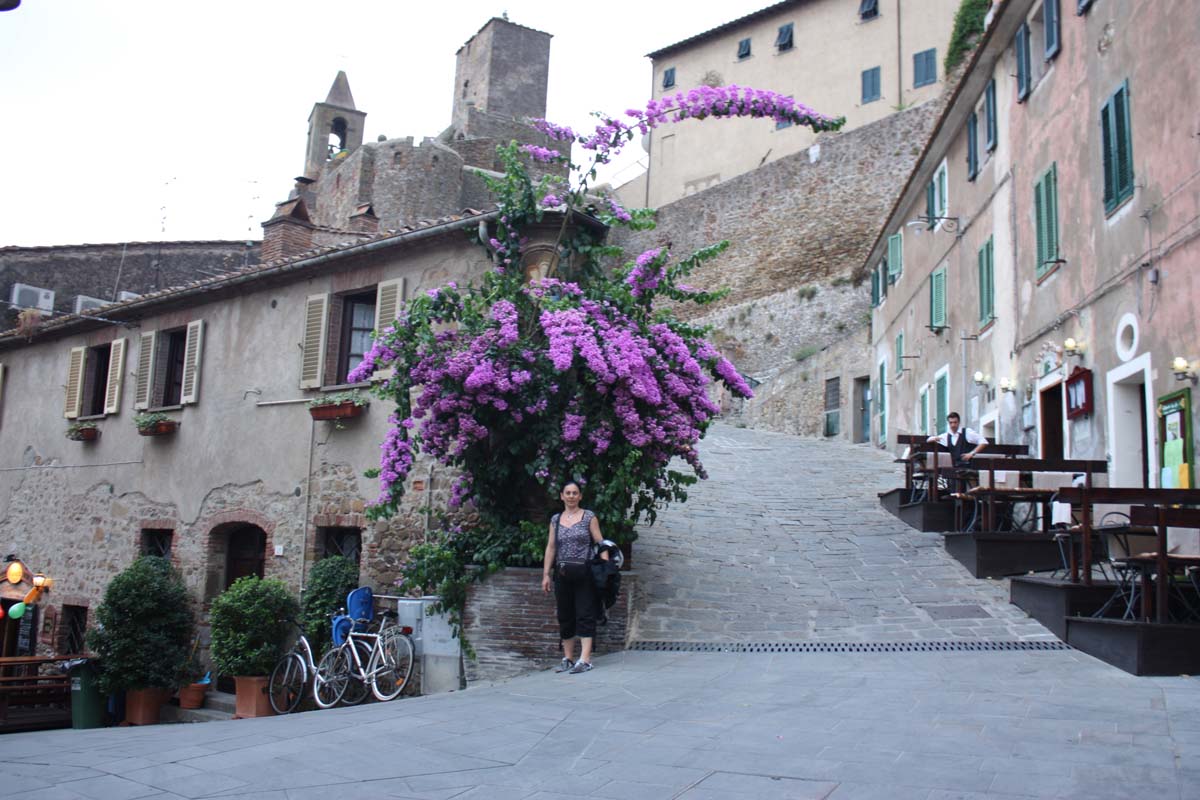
point(501, 70)
point(333, 126)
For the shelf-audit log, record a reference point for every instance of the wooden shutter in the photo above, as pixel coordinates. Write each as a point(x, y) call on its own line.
point(900, 352)
point(874, 287)
point(931, 204)
point(193, 351)
point(1039, 219)
point(924, 410)
point(1050, 194)
point(895, 257)
point(1123, 151)
point(1022, 45)
point(942, 401)
point(942, 193)
point(1106, 155)
point(143, 394)
point(1052, 20)
point(75, 367)
point(116, 371)
point(989, 108)
point(937, 299)
point(316, 318)
point(389, 300)
point(972, 146)
point(882, 402)
point(983, 299)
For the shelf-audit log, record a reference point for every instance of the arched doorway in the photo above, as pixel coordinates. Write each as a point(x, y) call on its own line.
point(236, 549)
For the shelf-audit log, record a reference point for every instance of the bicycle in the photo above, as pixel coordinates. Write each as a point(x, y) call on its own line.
point(291, 674)
point(380, 660)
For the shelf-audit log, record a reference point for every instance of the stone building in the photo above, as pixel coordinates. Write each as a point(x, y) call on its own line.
point(1037, 273)
point(862, 60)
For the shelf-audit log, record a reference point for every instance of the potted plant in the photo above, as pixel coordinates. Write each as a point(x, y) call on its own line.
point(83, 432)
point(143, 635)
point(338, 406)
point(193, 681)
point(155, 423)
point(249, 628)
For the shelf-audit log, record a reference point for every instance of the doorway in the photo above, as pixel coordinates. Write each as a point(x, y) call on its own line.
point(237, 549)
point(861, 410)
point(1052, 422)
point(1131, 432)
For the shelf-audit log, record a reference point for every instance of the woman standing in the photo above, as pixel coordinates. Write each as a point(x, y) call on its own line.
point(568, 557)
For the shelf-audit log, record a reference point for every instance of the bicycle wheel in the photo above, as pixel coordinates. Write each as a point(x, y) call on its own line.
point(356, 690)
point(391, 665)
point(333, 674)
point(286, 687)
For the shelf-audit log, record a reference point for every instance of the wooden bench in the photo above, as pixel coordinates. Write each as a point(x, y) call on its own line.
point(24, 686)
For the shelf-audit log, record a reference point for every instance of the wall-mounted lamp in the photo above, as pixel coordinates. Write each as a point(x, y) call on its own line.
point(1183, 370)
point(1073, 348)
point(1007, 385)
point(947, 224)
point(981, 379)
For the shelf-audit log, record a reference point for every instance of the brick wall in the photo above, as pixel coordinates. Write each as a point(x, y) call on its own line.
point(511, 624)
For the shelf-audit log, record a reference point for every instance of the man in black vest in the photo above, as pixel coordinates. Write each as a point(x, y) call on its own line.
point(963, 445)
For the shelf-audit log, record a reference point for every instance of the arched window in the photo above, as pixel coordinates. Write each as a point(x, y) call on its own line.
point(337, 137)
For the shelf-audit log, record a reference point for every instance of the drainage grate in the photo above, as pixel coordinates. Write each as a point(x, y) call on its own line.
point(845, 647)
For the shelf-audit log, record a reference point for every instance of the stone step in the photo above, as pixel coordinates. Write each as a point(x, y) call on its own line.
point(220, 701)
point(172, 713)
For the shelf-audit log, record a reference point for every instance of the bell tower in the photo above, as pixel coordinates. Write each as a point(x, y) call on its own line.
point(334, 126)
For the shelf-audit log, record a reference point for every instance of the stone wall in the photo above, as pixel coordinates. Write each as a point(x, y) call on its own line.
point(511, 624)
point(102, 270)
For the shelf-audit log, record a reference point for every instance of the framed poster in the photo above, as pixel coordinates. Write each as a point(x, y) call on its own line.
point(1079, 393)
point(1028, 420)
point(1175, 448)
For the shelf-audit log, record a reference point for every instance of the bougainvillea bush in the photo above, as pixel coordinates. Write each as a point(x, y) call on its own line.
point(583, 374)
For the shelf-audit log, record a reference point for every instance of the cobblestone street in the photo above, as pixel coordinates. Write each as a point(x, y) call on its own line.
point(786, 541)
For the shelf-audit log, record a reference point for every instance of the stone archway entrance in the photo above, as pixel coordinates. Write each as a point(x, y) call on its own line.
point(236, 549)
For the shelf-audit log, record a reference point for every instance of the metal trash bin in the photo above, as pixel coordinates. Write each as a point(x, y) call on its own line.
point(87, 701)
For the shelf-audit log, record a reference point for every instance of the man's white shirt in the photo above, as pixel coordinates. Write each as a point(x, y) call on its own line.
point(973, 438)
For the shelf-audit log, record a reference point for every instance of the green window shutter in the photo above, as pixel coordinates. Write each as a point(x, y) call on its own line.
point(899, 352)
point(882, 406)
point(972, 146)
point(987, 284)
point(1023, 76)
point(991, 278)
point(942, 192)
point(895, 256)
point(1050, 191)
point(1052, 19)
point(1106, 154)
point(924, 421)
point(1124, 143)
point(989, 109)
point(937, 299)
point(942, 403)
point(1039, 220)
point(874, 288)
point(931, 204)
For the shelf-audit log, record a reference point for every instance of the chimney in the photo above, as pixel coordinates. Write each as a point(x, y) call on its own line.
point(288, 233)
point(363, 220)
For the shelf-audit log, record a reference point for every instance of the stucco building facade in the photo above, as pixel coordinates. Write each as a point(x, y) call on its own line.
point(861, 60)
point(1037, 273)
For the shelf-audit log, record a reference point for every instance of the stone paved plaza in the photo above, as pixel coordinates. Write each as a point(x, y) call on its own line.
point(784, 543)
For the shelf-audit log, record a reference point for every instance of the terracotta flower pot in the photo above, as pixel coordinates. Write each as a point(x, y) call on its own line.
point(336, 411)
point(164, 428)
point(192, 695)
point(85, 435)
point(252, 700)
point(142, 706)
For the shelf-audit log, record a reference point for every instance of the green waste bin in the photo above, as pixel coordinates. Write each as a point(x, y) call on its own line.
point(87, 702)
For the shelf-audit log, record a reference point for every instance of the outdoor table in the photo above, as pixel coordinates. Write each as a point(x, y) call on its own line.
point(1156, 604)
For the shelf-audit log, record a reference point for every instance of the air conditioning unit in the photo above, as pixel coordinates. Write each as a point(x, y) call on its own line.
point(83, 303)
point(25, 296)
point(123, 296)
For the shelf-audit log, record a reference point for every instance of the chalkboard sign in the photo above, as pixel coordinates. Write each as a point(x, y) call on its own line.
point(27, 633)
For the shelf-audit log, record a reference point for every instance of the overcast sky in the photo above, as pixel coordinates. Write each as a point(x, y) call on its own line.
point(123, 112)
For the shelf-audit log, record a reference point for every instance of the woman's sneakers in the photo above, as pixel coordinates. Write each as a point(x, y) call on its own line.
point(580, 666)
point(564, 666)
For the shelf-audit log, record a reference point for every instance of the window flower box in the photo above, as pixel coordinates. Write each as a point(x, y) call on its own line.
point(155, 424)
point(83, 432)
point(339, 406)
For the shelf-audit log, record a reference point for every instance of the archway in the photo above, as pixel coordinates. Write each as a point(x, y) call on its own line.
point(236, 549)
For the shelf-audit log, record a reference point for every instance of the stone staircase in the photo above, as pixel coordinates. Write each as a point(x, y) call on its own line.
point(217, 706)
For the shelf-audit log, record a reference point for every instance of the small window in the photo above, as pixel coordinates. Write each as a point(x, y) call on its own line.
point(1024, 78)
point(784, 41)
point(95, 381)
point(1045, 212)
point(72, 627)
point(358, 330)
point(1052, 19)
point(870, 85)
point(895, 257)
point(972, 146)
point(924, 68)
point(876, 295)
point(899, 354)
point(345, 542)
point(882, 405)
point(923, 411)
point(987, 283)
point(157, 542)
point(989, 114)
point(1116, 137)
point(168, 366)
point(668, 77)
point(171, 348)
point(868, 9)
point(743, 49)
point(937, 299)
point(833, 402)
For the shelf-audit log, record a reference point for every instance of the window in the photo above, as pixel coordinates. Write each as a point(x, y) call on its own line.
point(972, 146)
point(668, 77)
point(339, 329)
point(895, 257)
point(941, 399)
point(168, 371)
point(882, 402)
point(876, 295)
point(987, 283)
point(924, 68)
point(1045, 217)
point(94, 380)
point(940, 184)
point(833, 402)
point(783, 123)
point(1024, 79)
point(936, 202)
point(157, 542)
point(899, 354)
point(1117, 142)
point(72, 626)
point(989, 113)
point(743, 49)
point(937, 299)
point(868, 9)
point(1052, 19)
point(870, 84)
point(346, 542)
point(1081, 6)
point(784, 40)
point(923, 411)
